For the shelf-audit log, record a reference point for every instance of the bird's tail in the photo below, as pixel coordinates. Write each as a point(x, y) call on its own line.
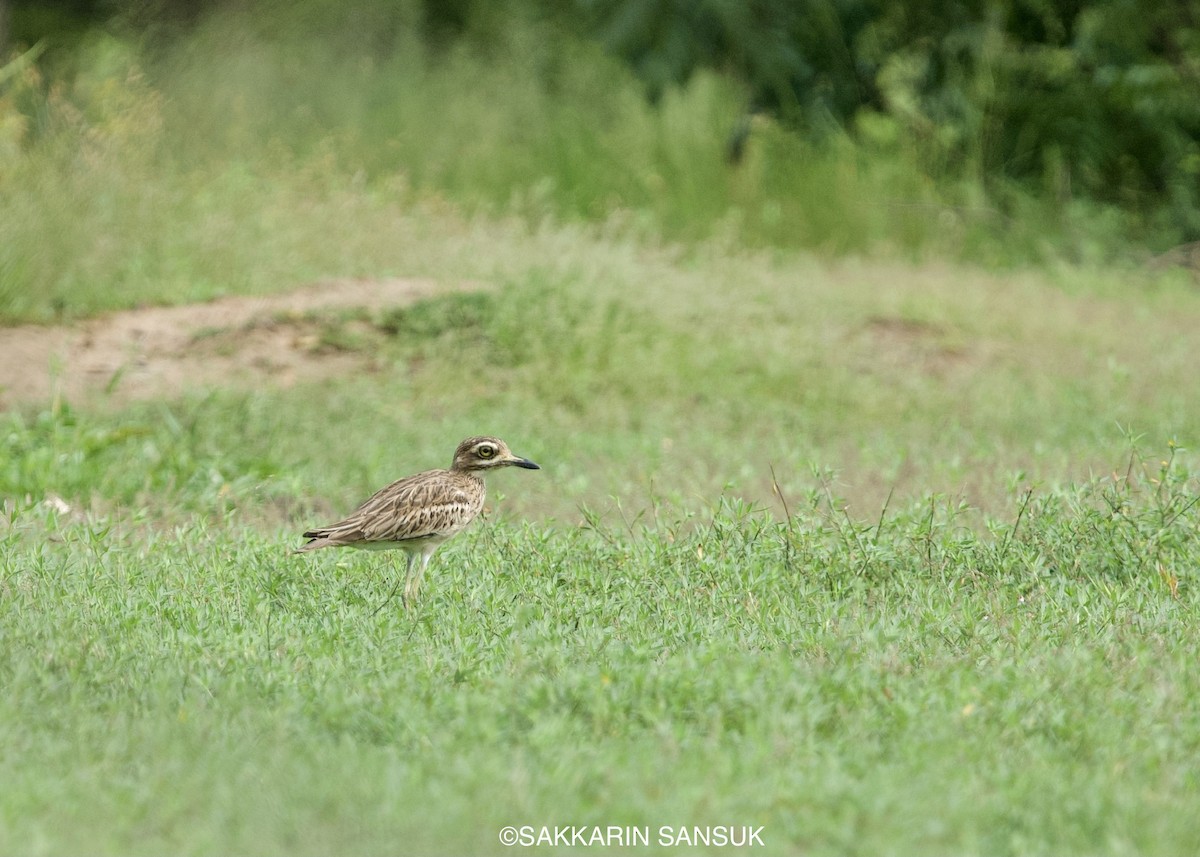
point(317, 539)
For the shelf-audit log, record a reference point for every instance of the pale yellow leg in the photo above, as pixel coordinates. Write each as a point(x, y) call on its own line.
point(413, 586)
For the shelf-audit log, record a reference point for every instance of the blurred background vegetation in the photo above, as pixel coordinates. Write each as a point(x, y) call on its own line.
point(155, 144)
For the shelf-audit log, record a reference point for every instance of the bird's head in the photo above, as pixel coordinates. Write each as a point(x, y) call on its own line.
point(484, 453)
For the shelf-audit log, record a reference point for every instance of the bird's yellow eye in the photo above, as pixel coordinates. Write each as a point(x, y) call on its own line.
point(485, 451)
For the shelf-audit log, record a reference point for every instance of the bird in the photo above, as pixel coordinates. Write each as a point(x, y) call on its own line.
point(418, 513)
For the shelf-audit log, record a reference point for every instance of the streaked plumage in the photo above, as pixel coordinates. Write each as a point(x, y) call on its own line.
point(416, 514)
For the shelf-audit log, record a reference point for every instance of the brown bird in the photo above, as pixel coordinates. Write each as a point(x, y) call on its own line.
point(416, 514)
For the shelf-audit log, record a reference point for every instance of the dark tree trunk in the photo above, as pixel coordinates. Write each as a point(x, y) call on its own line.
point(3, 29)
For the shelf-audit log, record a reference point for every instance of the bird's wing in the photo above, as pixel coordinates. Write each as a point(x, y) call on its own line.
point(411, 508)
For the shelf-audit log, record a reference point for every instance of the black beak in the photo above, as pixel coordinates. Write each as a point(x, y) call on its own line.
point(526, 463)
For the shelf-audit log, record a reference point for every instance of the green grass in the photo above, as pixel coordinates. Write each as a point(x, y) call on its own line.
point(902, 686)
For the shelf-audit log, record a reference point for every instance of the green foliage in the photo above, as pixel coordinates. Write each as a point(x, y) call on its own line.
point(147, 171)
point(1088, 101)
point(795, 57)
point(1075, 100)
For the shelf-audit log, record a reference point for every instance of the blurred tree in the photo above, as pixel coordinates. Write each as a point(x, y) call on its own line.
point(798, 58)
point(1088, 98)
point(1073, 98)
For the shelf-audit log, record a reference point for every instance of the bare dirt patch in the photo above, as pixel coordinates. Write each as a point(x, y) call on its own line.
point(906, 345)
point(163, 351)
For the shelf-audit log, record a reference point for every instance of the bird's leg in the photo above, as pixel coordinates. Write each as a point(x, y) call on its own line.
point(407, 569)
point(411, 583)
point(414, 580)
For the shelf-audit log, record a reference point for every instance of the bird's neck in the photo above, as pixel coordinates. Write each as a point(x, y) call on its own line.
point(473, 475)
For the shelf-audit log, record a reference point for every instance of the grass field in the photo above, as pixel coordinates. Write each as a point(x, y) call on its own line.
point(907, 686)
point(880, 553)
point(647, 632)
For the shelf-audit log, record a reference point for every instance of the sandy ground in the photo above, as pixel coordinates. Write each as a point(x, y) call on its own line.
point(159, 351)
